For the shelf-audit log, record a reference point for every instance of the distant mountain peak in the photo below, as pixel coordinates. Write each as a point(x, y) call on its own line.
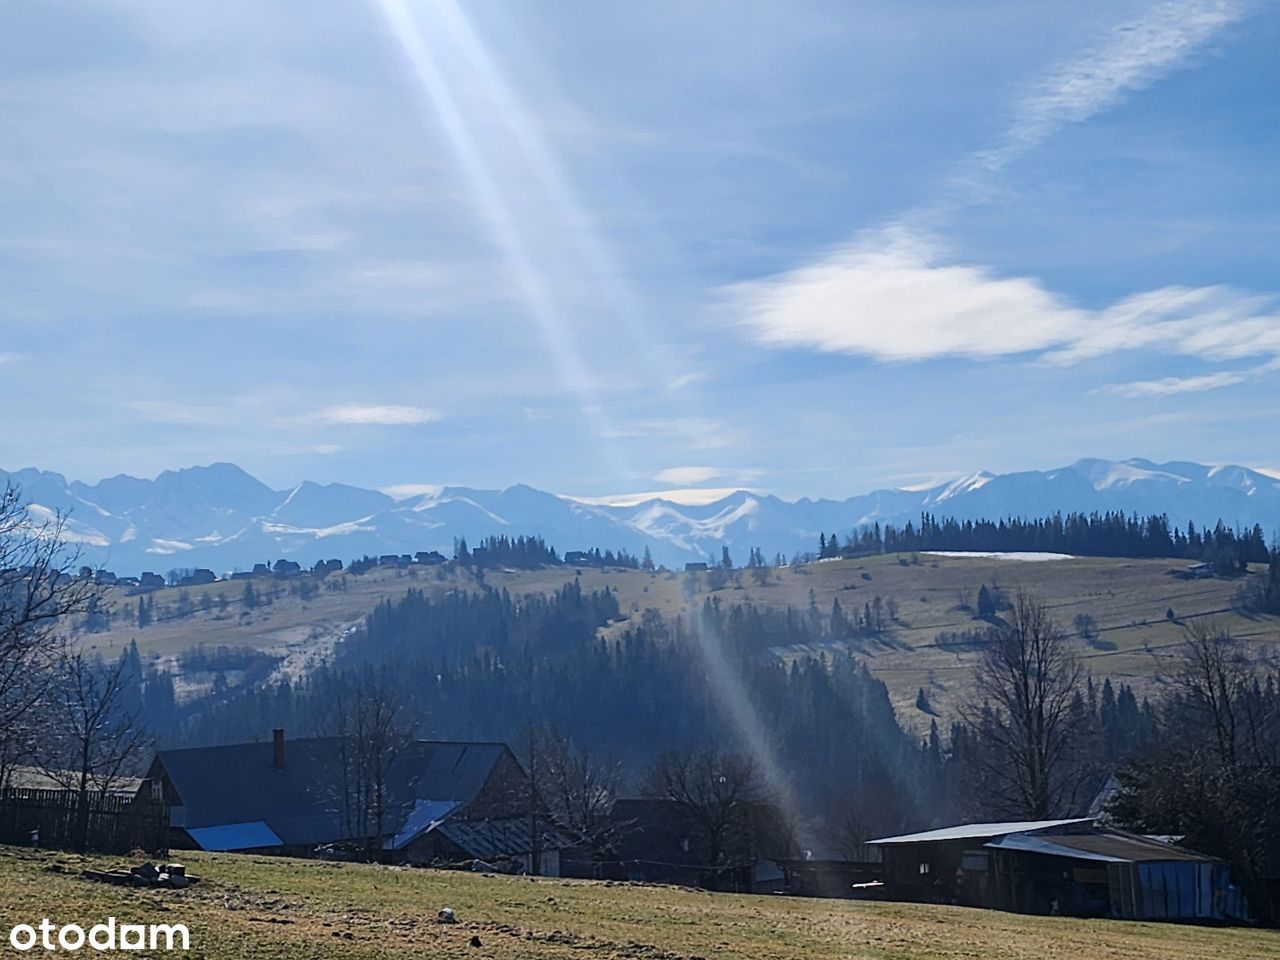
point(220, 516)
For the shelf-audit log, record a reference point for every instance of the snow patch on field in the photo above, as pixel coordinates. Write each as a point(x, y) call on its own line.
point(1029, 556)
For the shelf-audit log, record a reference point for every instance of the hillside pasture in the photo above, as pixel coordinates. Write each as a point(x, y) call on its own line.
point(280, 909)
point(934, 595)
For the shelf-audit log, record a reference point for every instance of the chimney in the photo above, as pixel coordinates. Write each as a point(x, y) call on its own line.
point(277, 749)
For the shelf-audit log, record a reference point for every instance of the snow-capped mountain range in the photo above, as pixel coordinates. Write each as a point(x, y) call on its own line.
point(220, 517)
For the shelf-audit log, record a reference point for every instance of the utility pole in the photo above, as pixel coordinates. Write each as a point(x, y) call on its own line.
point(535, 834)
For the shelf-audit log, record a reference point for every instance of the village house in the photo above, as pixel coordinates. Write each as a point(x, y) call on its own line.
point(446, 802)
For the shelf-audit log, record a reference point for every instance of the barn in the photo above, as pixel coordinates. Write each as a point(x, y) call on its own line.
point(1070, 867)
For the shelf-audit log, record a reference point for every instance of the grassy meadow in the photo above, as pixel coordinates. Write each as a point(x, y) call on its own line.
point(280, 909)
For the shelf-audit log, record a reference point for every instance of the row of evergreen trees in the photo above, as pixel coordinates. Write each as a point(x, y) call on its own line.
point(1110, 534)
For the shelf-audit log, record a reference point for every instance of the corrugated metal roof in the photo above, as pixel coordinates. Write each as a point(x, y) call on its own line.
point(236, 836)
point(1109, 847)
point(980, 831)
point(490, 839)
point(426, 816)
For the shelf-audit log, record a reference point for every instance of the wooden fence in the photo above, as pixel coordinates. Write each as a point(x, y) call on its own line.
point(110, 824)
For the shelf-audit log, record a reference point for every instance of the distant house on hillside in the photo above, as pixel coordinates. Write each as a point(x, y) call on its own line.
point(696, 566)
point(198, 577)
point(1068, 867)
point(447, 802)
point(150, 581)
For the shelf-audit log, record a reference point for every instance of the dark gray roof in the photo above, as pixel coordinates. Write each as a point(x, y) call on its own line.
point(1105, 847)
point(493, 839)
point(301, 804)
point(979, 831)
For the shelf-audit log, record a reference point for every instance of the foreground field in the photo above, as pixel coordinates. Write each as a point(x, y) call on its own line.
point(285, 909)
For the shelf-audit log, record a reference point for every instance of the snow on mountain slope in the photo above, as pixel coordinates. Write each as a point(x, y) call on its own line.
point(221, 517)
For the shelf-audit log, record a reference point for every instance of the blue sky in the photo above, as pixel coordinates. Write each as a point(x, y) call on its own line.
point(810, 248)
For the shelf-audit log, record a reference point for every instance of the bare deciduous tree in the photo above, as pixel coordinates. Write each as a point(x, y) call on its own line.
point(94, 733)
point(578, 788)
point(38, 594)
point(1026, 681)
point(716, 789)
point(1218, 680)
point(371, 732)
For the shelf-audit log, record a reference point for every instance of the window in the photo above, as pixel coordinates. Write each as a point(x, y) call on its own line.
point(924, 869)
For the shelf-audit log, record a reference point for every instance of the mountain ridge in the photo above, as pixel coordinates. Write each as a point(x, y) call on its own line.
point(220, 516)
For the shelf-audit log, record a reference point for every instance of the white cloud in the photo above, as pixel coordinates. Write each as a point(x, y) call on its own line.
point(1135, 55)
point(1168, 386)
point(384, 414)
point(886, 297)
point(9, 357)
point(890, 296)
point(694, 496)
point(403, 491)
point(684, 476)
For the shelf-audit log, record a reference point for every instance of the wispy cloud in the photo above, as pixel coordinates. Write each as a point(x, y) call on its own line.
point(694, 496)
point(684, 476)
point(892, 296)
point(1169, 386)
point(1135, 55)
point(376, 414)
point(403, 491)
point(186, 414)
point(8, 357)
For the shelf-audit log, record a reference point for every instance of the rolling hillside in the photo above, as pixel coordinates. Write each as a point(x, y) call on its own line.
point(1129, 599)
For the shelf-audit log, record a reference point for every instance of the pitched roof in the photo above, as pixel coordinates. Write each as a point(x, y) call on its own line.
point(493, 839)
point(980, 831)
point(1108, 847)
point(301, 804)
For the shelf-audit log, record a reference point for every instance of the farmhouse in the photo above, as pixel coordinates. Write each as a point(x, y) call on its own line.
point(445, 802)
point(1069, 867)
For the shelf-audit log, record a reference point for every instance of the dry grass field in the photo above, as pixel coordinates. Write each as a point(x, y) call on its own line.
point(1129, 599)
point(279, 909)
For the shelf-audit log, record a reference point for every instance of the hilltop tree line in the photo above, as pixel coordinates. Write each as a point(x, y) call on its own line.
point(1110, 534)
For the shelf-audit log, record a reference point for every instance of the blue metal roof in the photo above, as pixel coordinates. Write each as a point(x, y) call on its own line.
point(235, 836)
point(980, 831)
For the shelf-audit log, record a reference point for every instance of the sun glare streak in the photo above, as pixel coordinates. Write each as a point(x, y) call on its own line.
point(731, 692)
point(573, 371)
point(548, 171)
